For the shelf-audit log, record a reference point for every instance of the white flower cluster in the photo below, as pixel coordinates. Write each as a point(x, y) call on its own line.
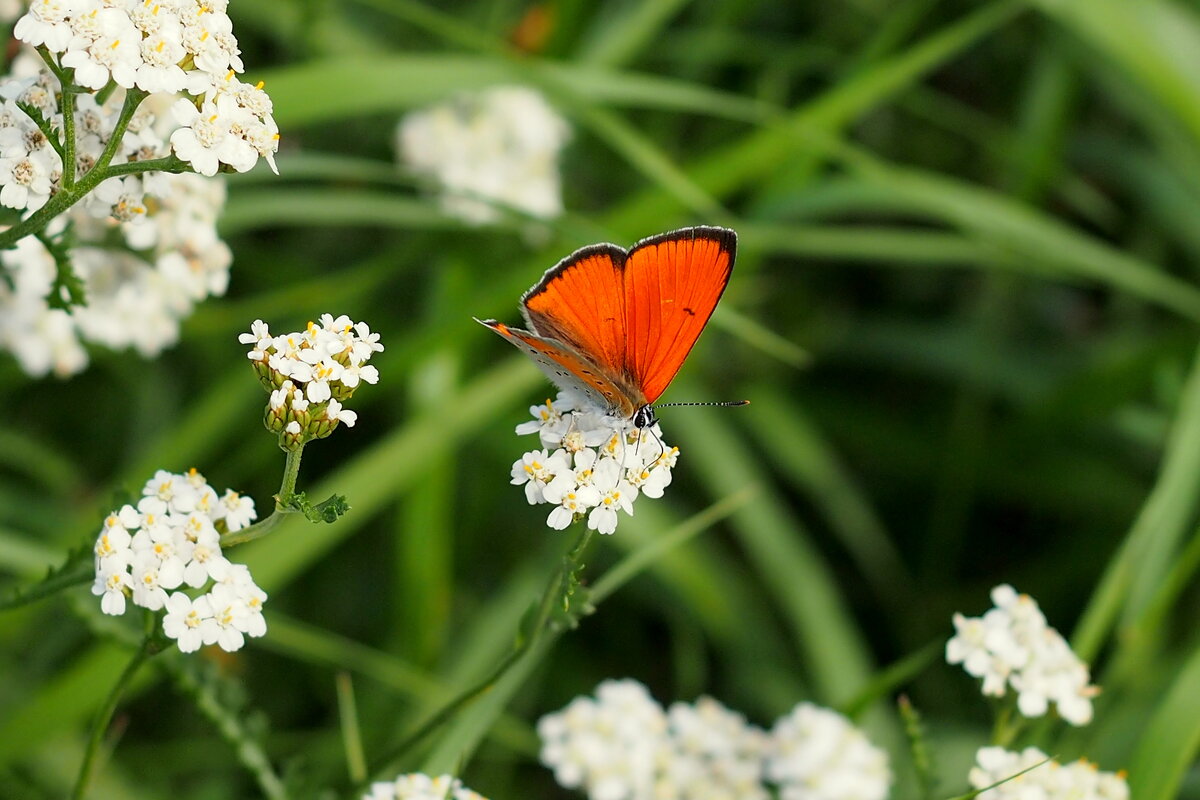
point(1079, 780)
point(418, 786)
point(171, 539)
point(145, 247)
point(819, 755)
point(164, 47)
point(622, 745)
point(590, 465)
point(1012, 645)
point(309, 373)
point(499, 146)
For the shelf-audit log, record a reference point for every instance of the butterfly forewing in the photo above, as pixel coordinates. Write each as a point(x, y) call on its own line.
point(581, 303)
point(672, 285)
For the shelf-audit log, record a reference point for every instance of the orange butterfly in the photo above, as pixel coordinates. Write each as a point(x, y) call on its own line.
point(616, 325)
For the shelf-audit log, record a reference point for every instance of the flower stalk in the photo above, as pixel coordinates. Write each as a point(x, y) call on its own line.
point(104, 716)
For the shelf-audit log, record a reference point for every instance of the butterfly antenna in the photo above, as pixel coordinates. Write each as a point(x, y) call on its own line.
point(725, 404)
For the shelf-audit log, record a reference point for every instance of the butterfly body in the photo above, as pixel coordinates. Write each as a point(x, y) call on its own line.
point(615, 326)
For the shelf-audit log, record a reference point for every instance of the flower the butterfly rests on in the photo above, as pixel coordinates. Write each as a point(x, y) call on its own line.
point(611, 328)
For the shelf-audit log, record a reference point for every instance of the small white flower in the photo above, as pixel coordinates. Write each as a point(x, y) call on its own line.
point(151, 579)
point(238, 510)
point(335, 411)
point(535, 470)
point(616, 494)
point(26, 180)
point(229, 614)
point(113, 582)
point(190, 622)
point(48, 23)
point(112, 51)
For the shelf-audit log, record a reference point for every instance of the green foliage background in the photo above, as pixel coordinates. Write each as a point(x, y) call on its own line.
point(965, 311)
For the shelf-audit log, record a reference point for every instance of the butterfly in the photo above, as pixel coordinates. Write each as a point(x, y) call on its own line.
point(615, 325)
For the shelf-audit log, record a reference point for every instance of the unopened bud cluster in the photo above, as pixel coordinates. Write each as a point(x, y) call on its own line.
point(310, 373)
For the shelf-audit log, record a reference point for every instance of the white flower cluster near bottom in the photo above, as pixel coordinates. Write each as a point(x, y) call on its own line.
point(417, 786)
point(590, 465)
point(622, 745)
point(172, 539)
point(1013, 645)
point(1079, 780)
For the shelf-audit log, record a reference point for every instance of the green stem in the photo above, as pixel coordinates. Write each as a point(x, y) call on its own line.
point(68, 153)
point(287, 490)
point(291, 472)
point(233, 730)
point(1008, 724)
point(171, 163)
point(100, 726)
point(541, 625)
point(67, 197)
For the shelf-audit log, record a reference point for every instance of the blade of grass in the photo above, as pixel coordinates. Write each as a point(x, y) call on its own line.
point(619, 41)
point(787, 435)
point(1138, 567)
point(1170, 742)
point(733, 167)
point(1019, 229)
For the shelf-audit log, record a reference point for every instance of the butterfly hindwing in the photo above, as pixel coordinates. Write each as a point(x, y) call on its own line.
point(568, 369)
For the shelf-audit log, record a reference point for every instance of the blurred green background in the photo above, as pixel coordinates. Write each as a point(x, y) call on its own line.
point(965, 312)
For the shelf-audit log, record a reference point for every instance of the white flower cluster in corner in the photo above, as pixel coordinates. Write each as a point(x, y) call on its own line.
point(310, 372)
point(1012, 645)
point(418, 786)
point(495, 147)
point(622, 745)
point(172, 47)
point(1079, 780)
point(590, 465)
point(167, 257)
point(173, 539)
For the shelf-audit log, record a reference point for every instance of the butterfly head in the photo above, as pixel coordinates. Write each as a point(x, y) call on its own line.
point(644, 417)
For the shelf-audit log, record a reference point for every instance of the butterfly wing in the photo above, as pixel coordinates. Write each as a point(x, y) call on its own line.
point(617, 325)
point(581, 302)
point(672, 283)
point(568, 369)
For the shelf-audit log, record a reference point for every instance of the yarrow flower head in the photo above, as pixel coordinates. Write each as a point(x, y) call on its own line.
point(817, 754)
point(1012, 645)
point(590, 466)
point(171, 543)
point(1051, 781)
point(165, 48)
point(418, 786)
point(143, 246)
point(310, 373)
point(622, 745)
point(499, 146)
